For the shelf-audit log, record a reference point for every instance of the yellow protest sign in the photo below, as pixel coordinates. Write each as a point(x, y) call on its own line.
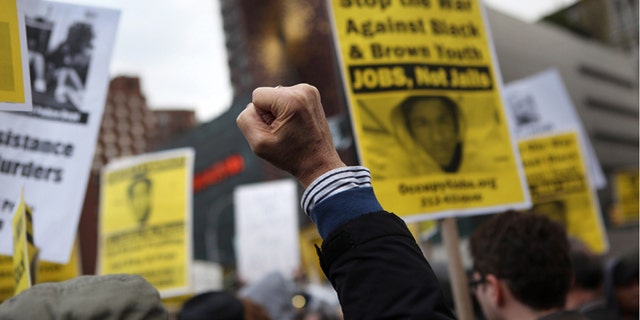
point(625, 184)
point(7, 285)
point(56, 272)
point(24, 250)
point(309, 239)
point(424, 95)
point(560, 189)
point(14, 68)
point(145, 219)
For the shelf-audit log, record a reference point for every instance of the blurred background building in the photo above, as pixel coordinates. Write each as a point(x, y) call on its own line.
point(612, 22)
point(171, 123)
point(129, 127)
point(278, 42)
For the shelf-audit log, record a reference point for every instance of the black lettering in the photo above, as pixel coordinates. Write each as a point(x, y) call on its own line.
point(467, 53)
point(431, 77)
point(379, 51)
point(381, 4)
point(58, 173)
point(371, 28)
point(68, 150)
point(442, 27)
point(461, 5)
point(416, 3)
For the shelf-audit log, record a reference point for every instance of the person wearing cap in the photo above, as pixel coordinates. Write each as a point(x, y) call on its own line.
point(109, 297)
point(368, 254)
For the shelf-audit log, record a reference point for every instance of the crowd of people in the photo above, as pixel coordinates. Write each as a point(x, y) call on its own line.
point(524, 265)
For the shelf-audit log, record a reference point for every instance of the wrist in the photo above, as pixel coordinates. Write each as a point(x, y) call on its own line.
point(306, 177)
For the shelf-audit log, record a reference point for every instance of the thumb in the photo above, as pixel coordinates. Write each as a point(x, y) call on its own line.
point(265, 103)
point(251, 123)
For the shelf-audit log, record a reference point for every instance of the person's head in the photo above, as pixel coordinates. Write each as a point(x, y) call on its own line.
point(79, 36)
point(623, 288)
point(520, 261)
point(221, 305)
point(588, 275)
point(434, 124)
point(139, 195)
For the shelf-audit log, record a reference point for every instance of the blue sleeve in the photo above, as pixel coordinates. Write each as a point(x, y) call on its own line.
point(343, 207)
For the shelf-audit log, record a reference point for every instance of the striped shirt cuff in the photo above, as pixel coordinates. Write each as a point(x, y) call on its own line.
point(333, 182)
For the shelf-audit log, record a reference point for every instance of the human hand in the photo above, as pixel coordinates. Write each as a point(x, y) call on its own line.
point(287, 127)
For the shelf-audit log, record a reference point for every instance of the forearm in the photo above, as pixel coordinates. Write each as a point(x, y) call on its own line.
point(369, 254)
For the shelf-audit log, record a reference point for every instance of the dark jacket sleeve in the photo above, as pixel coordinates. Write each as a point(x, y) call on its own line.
point(379, 271)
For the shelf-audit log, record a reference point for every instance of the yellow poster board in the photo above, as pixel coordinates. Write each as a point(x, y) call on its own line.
point(625, 186)
point(424, 94)
point(309, 240)
point(7, 285)
point(24, 250)
point(47, 272)
point(145, 219)
point(560, 188)
point(15, 88)
point(56, 272)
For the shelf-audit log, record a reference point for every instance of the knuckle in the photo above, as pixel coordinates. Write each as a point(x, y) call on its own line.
point(310, 90)
point(304, 96)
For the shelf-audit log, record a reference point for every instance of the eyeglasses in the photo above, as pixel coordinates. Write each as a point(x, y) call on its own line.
point(473, 284)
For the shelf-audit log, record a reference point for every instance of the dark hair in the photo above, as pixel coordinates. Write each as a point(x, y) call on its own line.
point(137, 180)
point(407, 105)
point(79, 36)
point(529, 252)
point(588, 270)
point(213, 304)
point(221, 305)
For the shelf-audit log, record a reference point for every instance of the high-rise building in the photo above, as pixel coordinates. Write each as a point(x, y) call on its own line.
point(128, 125)
point(282, 42)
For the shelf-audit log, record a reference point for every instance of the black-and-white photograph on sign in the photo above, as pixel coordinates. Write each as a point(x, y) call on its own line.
point(61, 48)
point(49, 151)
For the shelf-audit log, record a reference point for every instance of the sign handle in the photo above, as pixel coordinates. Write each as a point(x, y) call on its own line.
point(457, 275)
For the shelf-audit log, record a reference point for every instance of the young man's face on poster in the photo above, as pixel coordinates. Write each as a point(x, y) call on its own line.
point(140, 200)
point(434, 128)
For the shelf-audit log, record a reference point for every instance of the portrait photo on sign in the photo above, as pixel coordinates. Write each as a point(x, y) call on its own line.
point(140, 198)
point(429, 134)
point(60, 55)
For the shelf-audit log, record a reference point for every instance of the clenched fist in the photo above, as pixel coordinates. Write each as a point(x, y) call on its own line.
point(287, 127)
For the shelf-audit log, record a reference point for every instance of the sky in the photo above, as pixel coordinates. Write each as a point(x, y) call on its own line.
point(177, 48)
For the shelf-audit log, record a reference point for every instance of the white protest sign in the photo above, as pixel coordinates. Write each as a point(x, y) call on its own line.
point(49, 151)
point(266, 219)
point(540, 105)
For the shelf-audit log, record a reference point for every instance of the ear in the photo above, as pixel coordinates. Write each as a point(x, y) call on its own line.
point(496, 290)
